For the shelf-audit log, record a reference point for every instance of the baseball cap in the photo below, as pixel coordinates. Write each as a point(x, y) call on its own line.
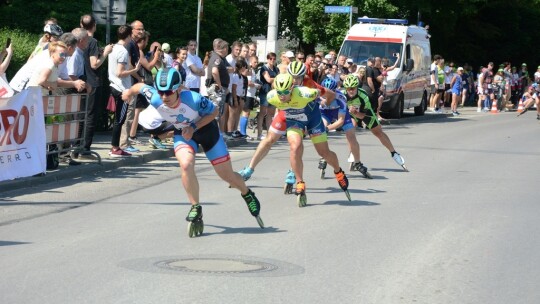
point(460, 69)
point(327, 56)
point(523, 64)
point(349, 60)
point(166, 47)
point(289, 54)
point(500, 70)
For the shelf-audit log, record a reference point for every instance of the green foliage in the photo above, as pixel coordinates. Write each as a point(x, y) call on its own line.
point(22, 43)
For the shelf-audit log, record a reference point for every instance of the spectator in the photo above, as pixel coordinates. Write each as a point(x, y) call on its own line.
point(69, 74)
point(524, 77)
point(126, 141)
point(205, 61)
point(456, 87)
point(267, 74)
point(93, 59)
point(252, 49)
point(238, 95)
point(448, 75)
point(300, 56)
point(218, 74)
point(251, 93)
point(167, 58)
point(180, 62)
point(485, 89)
point(195, 69)
point(231, 109)
point(52, 32)
point(284, 61)
point(537, 75)
point(245, 51)
point(75, 62)
point(120, 71)
point(46, 73)
point(5, 59)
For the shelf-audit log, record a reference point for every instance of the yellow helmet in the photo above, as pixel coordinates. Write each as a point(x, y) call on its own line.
point(283, 82)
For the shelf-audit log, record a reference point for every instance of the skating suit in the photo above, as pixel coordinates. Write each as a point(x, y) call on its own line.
point(279, 125)
point(337, 107)
point(302, 111)
point(191, 109)
point(361, 102)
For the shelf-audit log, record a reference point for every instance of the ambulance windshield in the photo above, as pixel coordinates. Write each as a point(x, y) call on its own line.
point(360, 51)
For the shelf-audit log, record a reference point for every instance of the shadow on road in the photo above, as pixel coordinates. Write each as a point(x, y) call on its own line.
point(8, 243)
point(242, 230)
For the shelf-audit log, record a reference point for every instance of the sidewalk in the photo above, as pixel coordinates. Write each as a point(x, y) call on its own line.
point(101, 145)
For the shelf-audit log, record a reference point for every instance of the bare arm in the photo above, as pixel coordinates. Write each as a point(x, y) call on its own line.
point(96, 62)
point(5, 59)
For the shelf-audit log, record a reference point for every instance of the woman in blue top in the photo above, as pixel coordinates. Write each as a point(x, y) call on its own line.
point(456, 86)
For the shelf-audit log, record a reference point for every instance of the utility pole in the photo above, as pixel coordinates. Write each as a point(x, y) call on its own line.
point(271, 35)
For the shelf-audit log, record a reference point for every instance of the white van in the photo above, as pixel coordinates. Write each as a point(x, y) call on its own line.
point(407, 86)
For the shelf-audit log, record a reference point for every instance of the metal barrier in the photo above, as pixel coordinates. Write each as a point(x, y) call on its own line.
point(65, 123)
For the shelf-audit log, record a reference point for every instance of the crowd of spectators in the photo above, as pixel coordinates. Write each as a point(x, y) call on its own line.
point(68, 62)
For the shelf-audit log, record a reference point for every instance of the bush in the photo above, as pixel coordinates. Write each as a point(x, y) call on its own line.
point(23, 44)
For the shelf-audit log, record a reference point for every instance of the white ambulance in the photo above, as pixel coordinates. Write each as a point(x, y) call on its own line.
point(407, 86)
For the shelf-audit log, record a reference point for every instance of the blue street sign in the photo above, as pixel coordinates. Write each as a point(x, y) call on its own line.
point(337, 9)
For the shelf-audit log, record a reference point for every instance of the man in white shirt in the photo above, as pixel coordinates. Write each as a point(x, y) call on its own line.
point(195, 68)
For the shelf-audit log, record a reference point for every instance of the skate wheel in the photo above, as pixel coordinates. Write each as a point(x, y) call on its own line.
point(405, 168)
point(322, 173)
point(367, 175)
point(200, 227)
point(351, 167)
point(301, 200)
point(348, 195)
point(260, 221)
point(287, 189)
point(191, 229)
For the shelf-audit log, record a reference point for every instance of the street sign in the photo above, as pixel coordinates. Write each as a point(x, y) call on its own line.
point(118, 6)
point(337, 9)
point(116, 19)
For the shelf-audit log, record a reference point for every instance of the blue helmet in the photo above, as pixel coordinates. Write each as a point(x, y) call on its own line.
point(168, 79)
point(329, 83)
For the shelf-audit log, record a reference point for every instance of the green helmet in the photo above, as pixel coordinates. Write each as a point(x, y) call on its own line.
point(283, 82)
point(296, 68)
point(351, 81)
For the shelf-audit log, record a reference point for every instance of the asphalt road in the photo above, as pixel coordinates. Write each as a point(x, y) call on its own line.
point(461, 227)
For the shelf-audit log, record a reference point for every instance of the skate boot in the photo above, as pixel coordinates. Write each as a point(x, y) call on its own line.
point(246, 173)
point(196, 225)
point(399, 160)
point(301, 197)
point(254, 206)
point(322, 166)
point(343, 182)
point(362, 169)
point(350, 160)
point(290, 179)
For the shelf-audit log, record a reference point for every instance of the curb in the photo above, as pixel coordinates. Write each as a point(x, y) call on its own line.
point(65, 172)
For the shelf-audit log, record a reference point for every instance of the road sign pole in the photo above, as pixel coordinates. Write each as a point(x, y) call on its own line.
point(350, 16)
point(108, 25)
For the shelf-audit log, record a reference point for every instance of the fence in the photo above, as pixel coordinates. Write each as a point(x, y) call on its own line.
point(65, 117)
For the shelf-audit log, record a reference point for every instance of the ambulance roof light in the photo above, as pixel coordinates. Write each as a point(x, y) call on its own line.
point(382, 21)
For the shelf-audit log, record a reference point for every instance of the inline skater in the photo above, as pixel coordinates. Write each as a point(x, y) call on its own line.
point(302, 112)
point(278, 127)
point(360, 109)
point(336, 115)
point(194, 119)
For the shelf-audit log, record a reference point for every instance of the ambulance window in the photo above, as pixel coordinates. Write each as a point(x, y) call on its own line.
point(408, 51)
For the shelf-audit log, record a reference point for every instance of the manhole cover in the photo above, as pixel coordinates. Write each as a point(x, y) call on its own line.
point(214, 265)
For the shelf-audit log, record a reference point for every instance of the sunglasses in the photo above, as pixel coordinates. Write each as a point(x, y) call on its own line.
point(272, 58)
point(166, 93)
point(300, 58)
point(62, 55)
point(283, 93)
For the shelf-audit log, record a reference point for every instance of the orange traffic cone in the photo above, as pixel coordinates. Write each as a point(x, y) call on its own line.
point(494, 107)
point(520, 106)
